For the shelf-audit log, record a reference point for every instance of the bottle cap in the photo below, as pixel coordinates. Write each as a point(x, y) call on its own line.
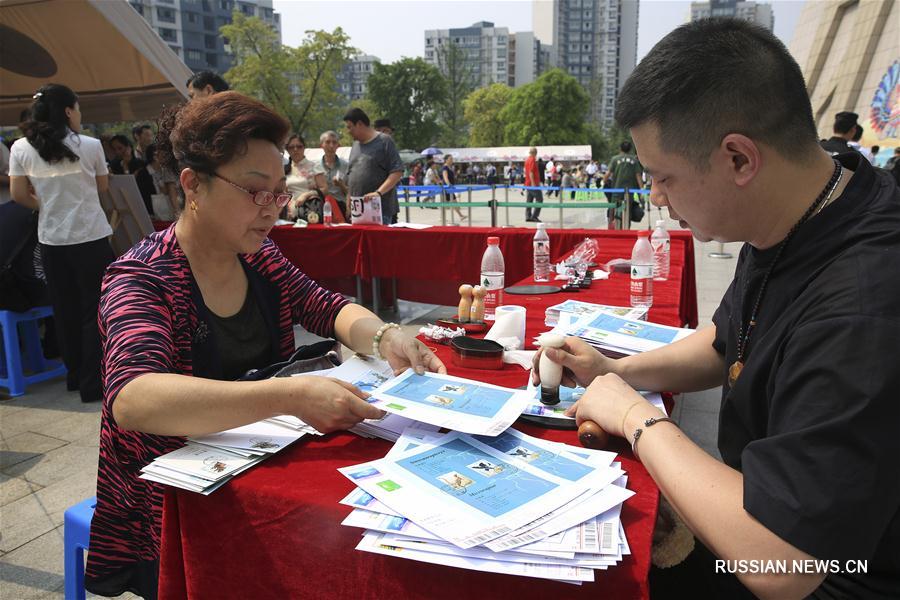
point(660, 223)
point(493, 241)
point(541, 225)
point(643, 233)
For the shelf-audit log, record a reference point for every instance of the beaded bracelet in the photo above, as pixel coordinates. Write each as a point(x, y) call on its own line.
point(648, 423)
point(376, 341)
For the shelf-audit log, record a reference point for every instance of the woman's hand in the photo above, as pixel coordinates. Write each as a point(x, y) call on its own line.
point(402, 352)
point(581, 363)
point(329, 404)
point(608, 401)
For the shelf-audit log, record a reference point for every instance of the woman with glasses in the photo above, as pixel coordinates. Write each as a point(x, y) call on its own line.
point(303, 182)
point(190, 309)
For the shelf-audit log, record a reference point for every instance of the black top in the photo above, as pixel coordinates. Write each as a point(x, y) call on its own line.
point(812, 422)
point(117, 168)
point(242, 339)
point(451, 175)
point(836, 145)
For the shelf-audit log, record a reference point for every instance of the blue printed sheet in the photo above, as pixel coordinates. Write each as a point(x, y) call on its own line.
point(467, 398)
point(476, 478)
point(637, 329)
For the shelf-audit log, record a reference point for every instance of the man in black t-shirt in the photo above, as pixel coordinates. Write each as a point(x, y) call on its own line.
point(845, 126)
point(806, 500)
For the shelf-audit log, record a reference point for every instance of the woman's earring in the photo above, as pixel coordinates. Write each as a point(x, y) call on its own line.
point(193, 205)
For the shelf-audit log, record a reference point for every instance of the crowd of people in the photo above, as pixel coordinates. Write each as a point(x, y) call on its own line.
point(803, 343)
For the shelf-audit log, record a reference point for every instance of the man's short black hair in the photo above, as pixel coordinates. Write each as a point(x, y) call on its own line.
point(357, 115)
point(845, 121)
point(201, 79)
point(122, 140)
point(625, 146)
point(859, 133)
point(712, 77)
point(137, 130)
point(383, 123)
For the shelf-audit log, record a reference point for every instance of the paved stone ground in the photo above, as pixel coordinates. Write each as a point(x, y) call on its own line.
point(48, 438)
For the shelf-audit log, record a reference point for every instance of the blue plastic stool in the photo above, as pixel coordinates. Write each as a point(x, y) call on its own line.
point(77, 534)
point(12, 375)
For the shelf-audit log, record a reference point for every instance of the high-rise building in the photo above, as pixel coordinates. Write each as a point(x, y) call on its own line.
point(528, 58)
point(485, 50)
point(491, 54)
point(595, 41)
point(850, 56)
point(354, 77)
point(748, 10)
point(191, 27)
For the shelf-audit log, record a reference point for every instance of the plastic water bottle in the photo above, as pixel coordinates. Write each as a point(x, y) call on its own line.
point(642, 272)
point(326, 213)
point(541, 253)
point(492, 269)
point(661, 243)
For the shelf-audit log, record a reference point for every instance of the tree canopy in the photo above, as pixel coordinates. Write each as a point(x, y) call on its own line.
point(460, 82)
point(409, 92)
point(299, 83)
point(551, 110)
point(482, 111)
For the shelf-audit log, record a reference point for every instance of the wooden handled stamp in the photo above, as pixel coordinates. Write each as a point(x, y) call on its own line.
point(478, 303)
point(465, 303)
point(592, 436)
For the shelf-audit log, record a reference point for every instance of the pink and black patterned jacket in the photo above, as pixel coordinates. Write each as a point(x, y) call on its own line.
point(153, 320)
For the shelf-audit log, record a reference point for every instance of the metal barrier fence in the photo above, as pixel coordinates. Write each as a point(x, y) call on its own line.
point(580, 198)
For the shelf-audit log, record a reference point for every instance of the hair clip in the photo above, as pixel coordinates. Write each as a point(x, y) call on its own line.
point(37, 96)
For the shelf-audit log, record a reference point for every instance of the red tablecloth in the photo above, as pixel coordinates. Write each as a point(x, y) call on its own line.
point(430, 264)
point(274, 532)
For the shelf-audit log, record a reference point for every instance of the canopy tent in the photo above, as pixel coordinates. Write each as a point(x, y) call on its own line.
point(102, 49)
point(518, 153)
point(495, 155)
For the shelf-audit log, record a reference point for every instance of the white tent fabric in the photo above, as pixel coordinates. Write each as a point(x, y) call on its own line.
point(103, 49)
point(495, 155)
point(518, 153)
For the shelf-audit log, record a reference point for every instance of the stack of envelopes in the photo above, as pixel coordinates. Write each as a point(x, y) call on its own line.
point(509, 504)
point(208, 462)
point(577, 309)
point(617, 336)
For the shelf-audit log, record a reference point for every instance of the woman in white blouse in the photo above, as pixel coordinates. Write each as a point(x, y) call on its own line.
point(302, 182)
point(67, 171)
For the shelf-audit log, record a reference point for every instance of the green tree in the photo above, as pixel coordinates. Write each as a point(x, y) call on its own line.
point(460, 80)
point(260, 64)
point(409, 92)
point(320, 58)
point(299, 83)
point(551, 110)
point(482, 111)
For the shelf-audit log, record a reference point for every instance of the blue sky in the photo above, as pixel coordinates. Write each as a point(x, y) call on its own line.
point(390, 29)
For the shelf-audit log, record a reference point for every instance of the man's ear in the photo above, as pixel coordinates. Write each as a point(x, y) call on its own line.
point(741, 156)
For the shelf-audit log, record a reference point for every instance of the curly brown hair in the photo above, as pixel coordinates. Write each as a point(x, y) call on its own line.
point(206, 133)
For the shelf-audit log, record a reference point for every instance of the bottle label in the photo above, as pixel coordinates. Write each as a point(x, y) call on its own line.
point(541, 248)
point(492, 282)
point(641, 271)
point(660, 245)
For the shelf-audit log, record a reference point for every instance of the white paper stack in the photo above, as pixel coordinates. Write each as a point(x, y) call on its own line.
point(509, 504)
point(208, 462)
point(616, 336)
point(580, 309)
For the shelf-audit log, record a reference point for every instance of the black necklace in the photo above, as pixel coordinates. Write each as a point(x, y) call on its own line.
point(735, 369)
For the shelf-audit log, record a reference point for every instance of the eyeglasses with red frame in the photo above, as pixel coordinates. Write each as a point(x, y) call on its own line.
point(261, 197)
